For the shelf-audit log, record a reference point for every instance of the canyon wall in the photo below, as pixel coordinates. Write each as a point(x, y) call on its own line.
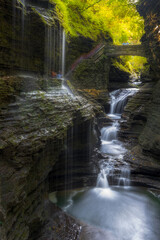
point(37, 124)
point(142, 113)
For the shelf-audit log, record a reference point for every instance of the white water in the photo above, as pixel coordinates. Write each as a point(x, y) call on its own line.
point(119, 99)
point(102, 181)
point(114, 213)
point(124, 179)
point(120, 214)
point(110, 145)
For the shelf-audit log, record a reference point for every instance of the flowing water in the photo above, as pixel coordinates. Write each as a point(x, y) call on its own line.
point(63, 53)
point(131, 214)
point(126, 213)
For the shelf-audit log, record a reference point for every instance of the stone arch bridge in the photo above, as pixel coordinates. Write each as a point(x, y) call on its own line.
point(110, 51)
point(121, 50)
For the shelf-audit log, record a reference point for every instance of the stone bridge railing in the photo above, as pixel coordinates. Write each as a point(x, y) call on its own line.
point(121, 50)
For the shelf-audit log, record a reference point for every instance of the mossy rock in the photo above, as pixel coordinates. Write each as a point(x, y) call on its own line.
point(9, 86)
point(91, 75)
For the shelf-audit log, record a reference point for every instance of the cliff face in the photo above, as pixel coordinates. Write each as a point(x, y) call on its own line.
point(143, 110)
point(38, 128)
point(29, 38)
point(33, 139)
point(151, 39)
point(149, 139)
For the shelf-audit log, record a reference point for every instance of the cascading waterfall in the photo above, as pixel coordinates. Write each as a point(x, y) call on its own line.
point(124, 179)
point(102, 181)
point(119, 99)
point(110, 133)
point(109, 142)
point(118, 213)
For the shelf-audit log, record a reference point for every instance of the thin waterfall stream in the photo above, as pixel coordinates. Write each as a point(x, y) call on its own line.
point(121, 211)
point(63, 52)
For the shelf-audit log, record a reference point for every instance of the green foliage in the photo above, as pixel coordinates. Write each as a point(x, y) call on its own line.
point(100, 18)
point(132, 64)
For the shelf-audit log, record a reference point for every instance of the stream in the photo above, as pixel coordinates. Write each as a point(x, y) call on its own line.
point(124, 211)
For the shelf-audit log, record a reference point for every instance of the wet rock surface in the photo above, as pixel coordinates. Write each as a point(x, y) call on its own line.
point(117, 78)
point(33, 132)
point(141, 125)
point(37, 128)
point(21, 49)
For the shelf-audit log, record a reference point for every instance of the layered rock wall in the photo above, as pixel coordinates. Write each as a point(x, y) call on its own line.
point(36, 124)
point(150, 137)
point(33, 138)
point(25, 38)
point(142, 113)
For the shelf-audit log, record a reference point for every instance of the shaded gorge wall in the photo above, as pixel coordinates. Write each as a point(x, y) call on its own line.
point(31, 40)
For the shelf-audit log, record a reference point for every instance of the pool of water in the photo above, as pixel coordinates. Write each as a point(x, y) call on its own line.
point(127, 213)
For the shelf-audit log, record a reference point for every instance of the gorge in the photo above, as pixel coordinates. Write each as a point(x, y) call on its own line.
point(79, 153)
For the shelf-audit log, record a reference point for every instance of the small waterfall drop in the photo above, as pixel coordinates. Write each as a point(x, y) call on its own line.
point(63, 52)
point(48, 50)
point(23, 15)
point(102, 181)
point(18, 17)
point(109, 133)
point(23, 26)
point(124, 179)
point(119, 99)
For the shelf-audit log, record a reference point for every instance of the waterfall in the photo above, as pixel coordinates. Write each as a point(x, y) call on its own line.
point(55, 48)
point(14, 22)
point(23, 14)
point(124, 179)
point(109, 133)
point(102, 181)
point(110, 145)
point(63, 52)
point(18, 17)
point(119, 99)
point(22, 27)
point(48, 50)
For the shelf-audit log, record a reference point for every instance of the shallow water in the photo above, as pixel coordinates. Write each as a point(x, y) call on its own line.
point(127, 213)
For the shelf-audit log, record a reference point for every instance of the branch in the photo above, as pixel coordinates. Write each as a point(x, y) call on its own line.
point(91, 5)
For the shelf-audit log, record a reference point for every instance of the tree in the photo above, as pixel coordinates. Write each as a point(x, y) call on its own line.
point(94, 18)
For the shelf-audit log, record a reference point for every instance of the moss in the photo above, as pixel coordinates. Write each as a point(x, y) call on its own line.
point(46, 17)
point(91, 75)
point(9, 86)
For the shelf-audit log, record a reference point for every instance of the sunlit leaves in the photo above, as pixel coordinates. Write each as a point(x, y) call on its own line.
point(132, 64)
point(94, 18)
